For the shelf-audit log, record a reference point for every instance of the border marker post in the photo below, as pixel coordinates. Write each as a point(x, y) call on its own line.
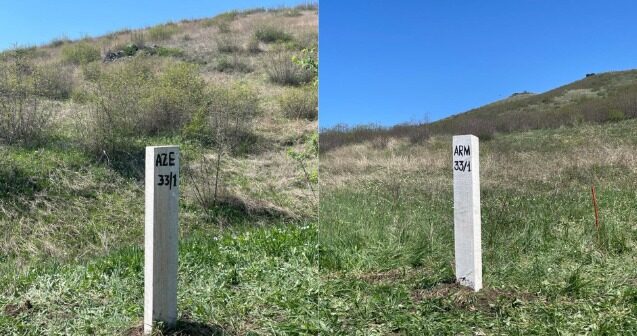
point(466, 211)
point(160, 236)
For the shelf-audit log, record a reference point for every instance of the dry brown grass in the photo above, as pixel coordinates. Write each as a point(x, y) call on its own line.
point(500, 163)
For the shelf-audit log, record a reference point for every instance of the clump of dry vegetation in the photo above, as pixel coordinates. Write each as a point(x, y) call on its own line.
point(300, 104)
point(24, 117)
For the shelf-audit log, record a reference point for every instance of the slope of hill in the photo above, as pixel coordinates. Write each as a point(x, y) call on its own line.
point(237, 92)
point(386, 233)
point(604, 97)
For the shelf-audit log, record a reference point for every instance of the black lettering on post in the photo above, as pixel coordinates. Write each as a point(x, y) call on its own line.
point(161, 160)
point(461, 150)
point(171, 159)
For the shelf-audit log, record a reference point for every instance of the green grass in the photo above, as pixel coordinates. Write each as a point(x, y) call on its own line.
point(71, 234)
point(261, 280)
point(386, 238)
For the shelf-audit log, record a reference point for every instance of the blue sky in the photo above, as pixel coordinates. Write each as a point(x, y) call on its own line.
point(389, 62)
point(33, 22)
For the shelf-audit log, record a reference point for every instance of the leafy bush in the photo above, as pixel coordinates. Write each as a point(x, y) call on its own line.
point(163, 32)
point(80, 53)
point(282, 70)
point(175, 95)
point(142, 97)
point(53, 81)
point(300, 104)
point(227, 117)
point(269, 34)
point(24, 118)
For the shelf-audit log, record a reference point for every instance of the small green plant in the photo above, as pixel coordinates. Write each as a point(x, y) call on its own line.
point(308, 60)
point(80, 53)
point(303, 157)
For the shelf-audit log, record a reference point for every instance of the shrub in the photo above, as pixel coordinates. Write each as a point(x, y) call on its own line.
point(162, 32)
point(268, 34)
point(80, 53)
point(23, 117)
point(173, 97)
point(227, 117)
point(253, 46)
point(615, 115)
point(53, 81)
point(282, 70)
point(91, 72)
point(142, 97)
point(228, 44)
point(232, 64)
point(300, 104)
point(225, 122)
point(81, 96)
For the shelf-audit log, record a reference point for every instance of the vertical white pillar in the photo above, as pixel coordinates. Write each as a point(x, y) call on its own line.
point(160, 236)
point(466, 211)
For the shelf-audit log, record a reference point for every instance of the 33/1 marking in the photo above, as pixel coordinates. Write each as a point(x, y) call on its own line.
point(462, 166)
point(169, 180)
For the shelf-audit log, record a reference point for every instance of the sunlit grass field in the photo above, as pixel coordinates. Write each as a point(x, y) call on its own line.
point(386, 233)
point(71, 261)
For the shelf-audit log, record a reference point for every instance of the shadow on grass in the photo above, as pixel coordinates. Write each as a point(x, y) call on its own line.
point(15, 181)
point(231, 210)
point(128, 161)
point(184, 327)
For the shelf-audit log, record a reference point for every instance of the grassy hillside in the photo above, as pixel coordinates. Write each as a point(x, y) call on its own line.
point(386, 233)
point(236, 91)
point(604, 97)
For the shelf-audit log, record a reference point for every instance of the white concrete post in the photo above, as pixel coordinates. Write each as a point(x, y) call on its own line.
point(160, 236)
point(466, 211)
